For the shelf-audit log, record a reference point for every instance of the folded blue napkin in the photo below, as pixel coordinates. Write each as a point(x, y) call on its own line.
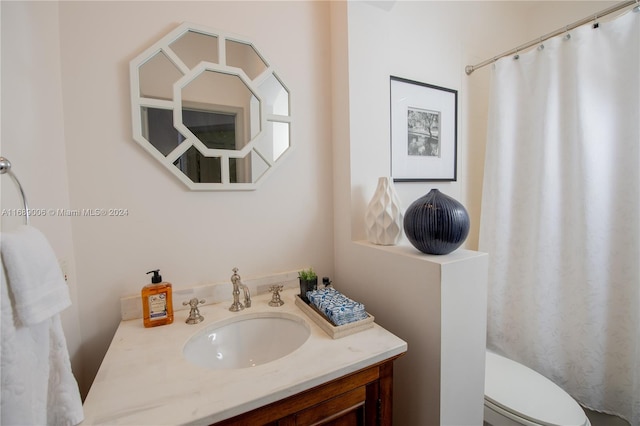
point(337, 307)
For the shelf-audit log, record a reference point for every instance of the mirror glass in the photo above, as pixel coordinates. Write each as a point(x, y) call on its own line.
point(245, 57)
point(210, 108)
point(192, 47)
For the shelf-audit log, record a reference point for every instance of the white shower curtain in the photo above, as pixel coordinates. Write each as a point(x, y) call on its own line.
point(561, 213)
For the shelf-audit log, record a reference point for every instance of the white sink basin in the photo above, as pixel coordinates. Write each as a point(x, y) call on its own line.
point(246, 341)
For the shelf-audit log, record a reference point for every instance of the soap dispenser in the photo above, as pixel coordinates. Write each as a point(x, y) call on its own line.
point(157, 302)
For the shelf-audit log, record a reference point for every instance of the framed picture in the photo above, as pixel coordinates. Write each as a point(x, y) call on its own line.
point(424, 132)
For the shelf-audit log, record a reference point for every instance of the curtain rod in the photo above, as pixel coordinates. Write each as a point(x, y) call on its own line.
point(618, 6)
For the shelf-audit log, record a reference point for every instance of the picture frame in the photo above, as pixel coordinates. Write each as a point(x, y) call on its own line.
point(424, 131)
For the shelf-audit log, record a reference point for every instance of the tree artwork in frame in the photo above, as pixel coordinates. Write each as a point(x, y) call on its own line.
point(424, 131)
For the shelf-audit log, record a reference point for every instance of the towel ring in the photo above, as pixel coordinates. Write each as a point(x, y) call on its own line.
point(5, 167)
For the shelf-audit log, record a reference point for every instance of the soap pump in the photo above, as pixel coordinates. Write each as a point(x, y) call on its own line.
point(326, 282)
point(157, 301)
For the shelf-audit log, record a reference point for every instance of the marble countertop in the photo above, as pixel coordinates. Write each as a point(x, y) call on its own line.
point(145, 380)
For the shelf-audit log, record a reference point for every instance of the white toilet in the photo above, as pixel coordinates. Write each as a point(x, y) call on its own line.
point(515, 395)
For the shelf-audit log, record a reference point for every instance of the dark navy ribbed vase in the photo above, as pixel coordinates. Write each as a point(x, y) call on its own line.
point(436, 223)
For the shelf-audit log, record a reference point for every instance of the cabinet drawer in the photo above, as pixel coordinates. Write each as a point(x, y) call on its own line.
point(347, 408)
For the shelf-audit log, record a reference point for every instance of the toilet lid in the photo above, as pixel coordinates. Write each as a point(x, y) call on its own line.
point(529, 395)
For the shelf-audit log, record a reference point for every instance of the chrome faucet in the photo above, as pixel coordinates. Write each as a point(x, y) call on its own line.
point(194, 313)
point(237, 284)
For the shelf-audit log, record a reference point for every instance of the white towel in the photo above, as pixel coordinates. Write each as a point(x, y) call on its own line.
point(38, 387)
point(37, 284)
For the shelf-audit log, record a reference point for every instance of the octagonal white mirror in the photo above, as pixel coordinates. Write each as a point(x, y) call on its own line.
point(210, 108)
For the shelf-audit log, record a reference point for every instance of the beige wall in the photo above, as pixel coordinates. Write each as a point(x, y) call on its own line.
point(33, 136)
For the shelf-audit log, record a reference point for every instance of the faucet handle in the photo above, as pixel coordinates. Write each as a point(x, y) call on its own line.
point(194, 313)
point(193, 302)
point(235, 274)
point(276, 300)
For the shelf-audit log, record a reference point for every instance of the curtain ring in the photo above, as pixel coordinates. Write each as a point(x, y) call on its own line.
point(541, 46)
point(516, 56)
point(596, 24)
point(567, 36)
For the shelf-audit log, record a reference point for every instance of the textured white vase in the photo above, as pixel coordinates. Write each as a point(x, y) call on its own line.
point(383, 218)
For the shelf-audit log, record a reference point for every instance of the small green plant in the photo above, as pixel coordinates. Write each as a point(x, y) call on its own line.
point(307, 274)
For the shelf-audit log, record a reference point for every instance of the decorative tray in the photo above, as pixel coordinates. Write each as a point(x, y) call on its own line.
point(335, 332)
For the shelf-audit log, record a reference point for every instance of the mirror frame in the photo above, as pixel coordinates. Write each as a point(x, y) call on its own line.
point(139, 102)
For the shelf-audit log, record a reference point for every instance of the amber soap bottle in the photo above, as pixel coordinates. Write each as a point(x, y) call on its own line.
point(157, 302)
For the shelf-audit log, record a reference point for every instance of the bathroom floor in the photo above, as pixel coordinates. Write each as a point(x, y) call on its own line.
point(599, 419)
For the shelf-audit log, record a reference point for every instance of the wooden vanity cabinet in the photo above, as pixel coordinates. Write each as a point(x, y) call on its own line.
point(360, 398)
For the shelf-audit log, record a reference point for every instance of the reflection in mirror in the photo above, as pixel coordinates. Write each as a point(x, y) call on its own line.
point(201, 169)
point(245, 57)
point(215, 130)
point(275, 95)
point(198, 168)
point(210, 108)
point(193, 47)
point(159, 131)
point(247, 169)
point(280, 139)
point(240, 170)
point(157, 76)
point(275, 142)
point(225, 94)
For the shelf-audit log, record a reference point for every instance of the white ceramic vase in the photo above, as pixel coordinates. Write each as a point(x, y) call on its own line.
point(383, 217)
